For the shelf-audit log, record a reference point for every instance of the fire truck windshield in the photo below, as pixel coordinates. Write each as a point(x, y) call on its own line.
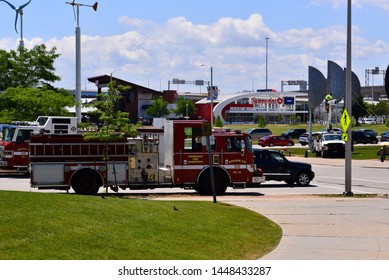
point(8, 133)
point(249, 145)
point(42, 120)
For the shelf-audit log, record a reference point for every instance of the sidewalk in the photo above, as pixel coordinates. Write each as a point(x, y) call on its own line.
point(322, 228)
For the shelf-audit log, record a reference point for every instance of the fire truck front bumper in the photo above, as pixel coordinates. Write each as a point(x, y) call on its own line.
point(258, 180)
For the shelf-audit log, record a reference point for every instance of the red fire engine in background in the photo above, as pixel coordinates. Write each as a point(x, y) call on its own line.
point(176, 157)
point(14, 154)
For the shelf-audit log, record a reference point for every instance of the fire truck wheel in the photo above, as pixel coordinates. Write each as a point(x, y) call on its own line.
point(86, 182)
point(205, 185)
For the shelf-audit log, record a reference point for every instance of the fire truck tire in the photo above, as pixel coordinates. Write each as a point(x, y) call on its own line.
point(204, 185)
point(86, 182)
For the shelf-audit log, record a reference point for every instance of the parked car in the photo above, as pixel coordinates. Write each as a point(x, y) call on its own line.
point(273, 140)
point(294, 133)
point(276, 166)
point(363, 137)
point(332, 130)
point(369, 121)
point(303, 139)
point(373, 132)
point(257, 133)
point(385, 136)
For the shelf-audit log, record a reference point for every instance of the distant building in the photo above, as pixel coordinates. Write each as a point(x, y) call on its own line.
point(247, 107)
point(135, 101)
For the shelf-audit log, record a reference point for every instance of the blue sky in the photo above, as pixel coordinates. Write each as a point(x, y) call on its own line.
point(154, 41)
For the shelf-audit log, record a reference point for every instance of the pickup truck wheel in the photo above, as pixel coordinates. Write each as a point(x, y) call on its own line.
point(205, 185)
point(86, 182)
point(303, 179)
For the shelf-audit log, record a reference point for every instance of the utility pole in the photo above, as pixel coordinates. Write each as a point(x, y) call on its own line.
point(348, 162)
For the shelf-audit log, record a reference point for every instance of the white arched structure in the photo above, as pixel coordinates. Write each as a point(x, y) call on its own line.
point(259, 103)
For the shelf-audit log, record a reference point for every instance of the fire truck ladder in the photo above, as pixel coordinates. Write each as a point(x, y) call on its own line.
point(85, 151)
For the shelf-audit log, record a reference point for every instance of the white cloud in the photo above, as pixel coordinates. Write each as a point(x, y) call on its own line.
point(151, 54)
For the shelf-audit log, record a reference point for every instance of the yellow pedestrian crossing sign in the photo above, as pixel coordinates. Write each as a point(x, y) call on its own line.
point(345, 121)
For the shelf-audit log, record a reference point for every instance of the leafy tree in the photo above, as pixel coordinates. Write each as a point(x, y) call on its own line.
point(218, 122)
point(26, 104)
point(27, 68)
point(185, 107)
point(158, 109)
point(359, 109)
point(261, 121)
point(114, 124)
point(382, 108)
point(292, 119)
point(387, 122)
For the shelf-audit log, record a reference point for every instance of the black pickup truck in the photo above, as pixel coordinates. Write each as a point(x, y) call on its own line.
point(276, 166)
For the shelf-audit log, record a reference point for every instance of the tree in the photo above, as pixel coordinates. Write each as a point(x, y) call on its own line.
point(27, 68)
point(185, 107)
point(218, 122)
point(114, 124)
point(26, 104)
point(158, 109)
point(359, 109)
point(261, 121)
point(382, 108)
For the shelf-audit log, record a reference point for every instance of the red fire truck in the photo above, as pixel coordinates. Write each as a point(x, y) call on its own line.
point(14, 138)
point(175, 158)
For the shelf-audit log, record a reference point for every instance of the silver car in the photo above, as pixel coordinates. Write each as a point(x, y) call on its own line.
point(257, 133)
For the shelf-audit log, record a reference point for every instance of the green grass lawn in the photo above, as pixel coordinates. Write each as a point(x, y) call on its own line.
point(44, 226)
point(360, 152)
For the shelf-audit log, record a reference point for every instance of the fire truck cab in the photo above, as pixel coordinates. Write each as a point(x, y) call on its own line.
point(14, 138)
point(68, 161)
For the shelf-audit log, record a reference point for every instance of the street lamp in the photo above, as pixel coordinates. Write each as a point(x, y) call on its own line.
point(116, 70)
point(78, 55)
point(267, 50)
point(210, 91)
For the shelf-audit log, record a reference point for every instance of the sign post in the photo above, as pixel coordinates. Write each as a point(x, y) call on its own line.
point(207, 132)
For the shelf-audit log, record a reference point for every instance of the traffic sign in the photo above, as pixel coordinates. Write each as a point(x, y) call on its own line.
point(345, 120)
point(345, 137)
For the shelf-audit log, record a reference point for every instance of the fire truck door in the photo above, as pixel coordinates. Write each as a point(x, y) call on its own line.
point(190, 158)
point(21, 147)
point(236, 156)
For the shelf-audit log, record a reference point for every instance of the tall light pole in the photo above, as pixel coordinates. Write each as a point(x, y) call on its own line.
point(113, 72)
point(267, 52)
point(210, 91)
point(348, 104)
point(78, 56)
